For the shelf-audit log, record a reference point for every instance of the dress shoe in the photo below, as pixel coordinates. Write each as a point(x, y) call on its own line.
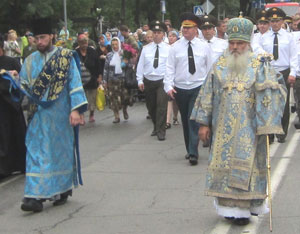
point(31, 204)
point(153, 133)
point(125, 114)
point(63, 198)
point(193, 160)
point(241, 221)
point(297, 125)
point(281, 139)
point(161, 136)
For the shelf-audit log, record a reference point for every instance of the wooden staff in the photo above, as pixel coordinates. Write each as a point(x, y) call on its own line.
point(269, 183)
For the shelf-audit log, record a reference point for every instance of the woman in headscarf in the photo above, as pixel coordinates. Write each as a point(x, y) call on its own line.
point(108, 38)
point(113, 78)
point(173, 36)
point(89, 64)
point(102, 50)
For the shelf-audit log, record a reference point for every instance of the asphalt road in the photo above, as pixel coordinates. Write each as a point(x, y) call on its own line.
point(135, 184)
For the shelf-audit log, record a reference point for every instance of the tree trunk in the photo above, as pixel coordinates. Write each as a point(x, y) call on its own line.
point(244, 6)
point(137, 13)
point(123, 12)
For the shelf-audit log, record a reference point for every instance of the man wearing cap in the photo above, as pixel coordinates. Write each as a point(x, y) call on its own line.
point(51, 80)
point(263, 26)
point(282, 46)
point(150, 73)
point(236, 108)
point(188, 63)
point(217, 45)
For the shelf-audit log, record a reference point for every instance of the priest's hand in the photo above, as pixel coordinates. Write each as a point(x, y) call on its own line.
point(75, 118)
point(13, 73)
point(204, 133)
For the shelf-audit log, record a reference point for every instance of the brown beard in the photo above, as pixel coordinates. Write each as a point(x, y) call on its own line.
point(46, 48)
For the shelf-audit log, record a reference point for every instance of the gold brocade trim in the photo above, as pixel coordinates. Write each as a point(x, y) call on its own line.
point(49, 174)
point(55, 194)
point(246, 196)
point(81, 104)
point(76, 89)
point(267, 84)
point(269, 130)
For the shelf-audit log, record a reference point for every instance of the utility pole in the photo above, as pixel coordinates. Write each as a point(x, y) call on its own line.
point(65, 14)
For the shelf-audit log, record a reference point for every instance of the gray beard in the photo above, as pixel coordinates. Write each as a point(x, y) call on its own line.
point(237, 63)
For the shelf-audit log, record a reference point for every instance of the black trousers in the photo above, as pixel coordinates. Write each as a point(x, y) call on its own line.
point(185, 99)
point(157, 104)
point(285, 120)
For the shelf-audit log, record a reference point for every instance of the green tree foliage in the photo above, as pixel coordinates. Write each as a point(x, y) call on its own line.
point(17, 13)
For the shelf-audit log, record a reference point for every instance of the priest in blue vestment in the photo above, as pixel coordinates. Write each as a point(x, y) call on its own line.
point(240, 103)
point(51, 79)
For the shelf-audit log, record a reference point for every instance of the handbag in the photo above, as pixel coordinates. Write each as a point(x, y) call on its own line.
point(130, 80)
point(100, 98)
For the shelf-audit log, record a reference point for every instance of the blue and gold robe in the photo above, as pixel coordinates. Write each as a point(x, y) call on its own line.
point(50, 161)
point(240, 110)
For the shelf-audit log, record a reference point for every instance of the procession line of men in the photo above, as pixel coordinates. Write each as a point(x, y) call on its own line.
point(228, 97)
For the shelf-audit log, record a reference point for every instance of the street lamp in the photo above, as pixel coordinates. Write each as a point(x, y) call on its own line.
point(163, 9)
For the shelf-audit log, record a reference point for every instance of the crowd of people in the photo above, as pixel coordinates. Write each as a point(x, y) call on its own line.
point(229, 80)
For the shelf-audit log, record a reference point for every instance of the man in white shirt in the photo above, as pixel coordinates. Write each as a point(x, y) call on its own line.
point(282, 45)
point(263, 26)
point(150, 73)
point(188, 63)
point(217, 45)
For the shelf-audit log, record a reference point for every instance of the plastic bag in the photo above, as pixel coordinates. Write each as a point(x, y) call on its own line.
point(100, 98)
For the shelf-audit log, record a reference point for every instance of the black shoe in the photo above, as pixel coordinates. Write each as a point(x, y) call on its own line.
point(281, 139)
point(63, 198)
point(297, 125)
point(293, 108)
point(153, 133)
point(241, 221)
point(187, 156)
point(161, 136)
point(168, 125)
point(31, 204)
point(193, 160)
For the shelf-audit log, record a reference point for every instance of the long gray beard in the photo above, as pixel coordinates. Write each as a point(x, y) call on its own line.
point(237, 63)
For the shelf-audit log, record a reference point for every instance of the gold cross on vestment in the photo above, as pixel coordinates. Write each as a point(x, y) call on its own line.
point(266, 101)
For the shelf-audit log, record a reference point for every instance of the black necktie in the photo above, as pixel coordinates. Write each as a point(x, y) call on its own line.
point(275, 47)
point(155, 62)
point(192, 67)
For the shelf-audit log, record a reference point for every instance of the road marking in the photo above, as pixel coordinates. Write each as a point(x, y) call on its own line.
point(276, 177)
point(222, 227)
point(10, 180)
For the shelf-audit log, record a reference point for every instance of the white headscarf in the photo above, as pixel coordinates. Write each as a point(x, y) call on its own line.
point(116, 59)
